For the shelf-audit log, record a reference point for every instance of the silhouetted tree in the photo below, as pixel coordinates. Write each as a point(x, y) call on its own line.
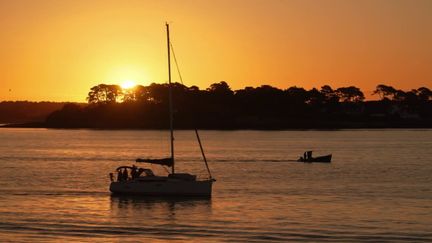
point(385, 92)
point(264, 100)
point(350, 94)
point(299, 95)
point(221, 88)
point(219, 100)
point(193, 88)
point(137, 93)
point(157, 93)
point(329, 94)
point(409, 100)
point(315, 97)
point(401, 95)
point(104, 93)
point(424, 94)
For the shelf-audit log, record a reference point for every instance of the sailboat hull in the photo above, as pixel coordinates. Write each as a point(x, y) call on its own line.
point(168, 187)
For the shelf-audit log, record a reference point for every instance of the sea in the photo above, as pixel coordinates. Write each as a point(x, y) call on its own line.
point(54, 186)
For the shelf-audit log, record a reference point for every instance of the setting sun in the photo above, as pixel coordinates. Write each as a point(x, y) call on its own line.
point(128, 84)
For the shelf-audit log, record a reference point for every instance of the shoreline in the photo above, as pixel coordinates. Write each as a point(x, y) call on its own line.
point(333, 127)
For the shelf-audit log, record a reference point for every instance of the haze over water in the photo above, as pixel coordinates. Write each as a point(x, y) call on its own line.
point(54, 186)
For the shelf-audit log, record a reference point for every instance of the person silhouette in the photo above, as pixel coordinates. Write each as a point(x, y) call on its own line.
point(125, 175)
point(119, 175)
point(134, 172)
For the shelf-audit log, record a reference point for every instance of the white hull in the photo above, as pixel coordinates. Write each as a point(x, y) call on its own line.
point(163, 187)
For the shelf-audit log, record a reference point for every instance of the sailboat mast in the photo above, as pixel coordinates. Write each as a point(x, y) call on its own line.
point(170, 98)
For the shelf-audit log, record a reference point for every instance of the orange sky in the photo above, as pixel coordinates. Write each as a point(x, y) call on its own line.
point(57, 49)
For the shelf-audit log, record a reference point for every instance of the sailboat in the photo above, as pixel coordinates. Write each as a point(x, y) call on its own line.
point(132, 180)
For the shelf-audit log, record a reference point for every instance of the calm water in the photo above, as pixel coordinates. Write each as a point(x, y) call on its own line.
point(54, 187)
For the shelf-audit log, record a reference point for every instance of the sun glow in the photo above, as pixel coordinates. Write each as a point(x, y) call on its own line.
point(128, 84)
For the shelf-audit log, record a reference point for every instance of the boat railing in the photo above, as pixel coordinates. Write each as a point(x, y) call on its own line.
point(202, 177)
point(114, 177)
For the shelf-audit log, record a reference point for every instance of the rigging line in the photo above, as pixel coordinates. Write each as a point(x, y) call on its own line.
point(196, 130)
point(175, 60)
point(202, 152)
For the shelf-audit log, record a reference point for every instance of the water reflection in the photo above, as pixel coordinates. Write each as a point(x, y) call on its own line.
point(124, 206)
point(361, 197)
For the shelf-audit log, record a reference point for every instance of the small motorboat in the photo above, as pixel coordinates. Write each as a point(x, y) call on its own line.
point(307, 158)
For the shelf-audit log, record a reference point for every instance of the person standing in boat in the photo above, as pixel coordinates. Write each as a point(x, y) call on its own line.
point(134, 172)
point(125, 175)
point(119, 175)
point(309, 154)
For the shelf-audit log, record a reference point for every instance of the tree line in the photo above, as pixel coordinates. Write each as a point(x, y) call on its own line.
point(264, 107)
point(26, 111)
point(105, 93)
